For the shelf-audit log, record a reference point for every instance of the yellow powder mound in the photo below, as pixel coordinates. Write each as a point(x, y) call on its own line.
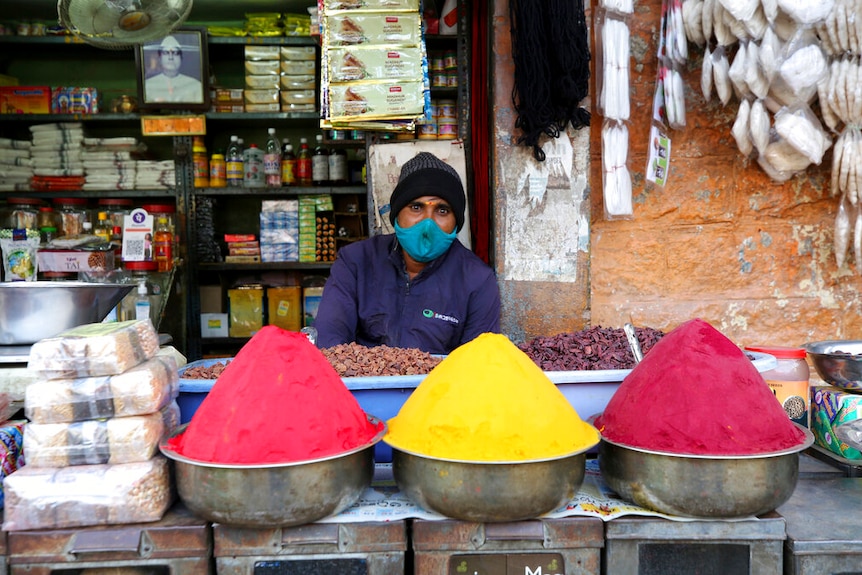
point(488, 401)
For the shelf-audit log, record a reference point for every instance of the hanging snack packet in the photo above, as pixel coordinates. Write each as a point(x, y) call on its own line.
point(18, 247)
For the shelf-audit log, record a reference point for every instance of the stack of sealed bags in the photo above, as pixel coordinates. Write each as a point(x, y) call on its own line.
point(104, 401)
point(109, 163)
point(57, 149)
point(156, 175)
point(16, 165)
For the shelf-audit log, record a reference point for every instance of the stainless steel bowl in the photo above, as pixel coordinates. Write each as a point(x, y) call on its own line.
point(274, 495)
point(702, 486)
point(31, 311)
point(489, 492)
point(838, 362)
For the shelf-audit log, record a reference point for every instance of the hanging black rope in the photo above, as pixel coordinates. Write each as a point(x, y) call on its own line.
point(551, 52)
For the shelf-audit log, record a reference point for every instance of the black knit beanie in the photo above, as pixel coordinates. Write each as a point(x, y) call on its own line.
point(427, 175)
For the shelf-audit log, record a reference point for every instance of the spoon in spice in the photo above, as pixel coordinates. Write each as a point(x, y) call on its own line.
point(631, 335)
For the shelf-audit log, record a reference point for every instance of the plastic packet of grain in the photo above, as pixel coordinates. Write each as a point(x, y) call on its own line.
point(94, 349)
point(114, 440)
point(82, 495)
point(145, 388)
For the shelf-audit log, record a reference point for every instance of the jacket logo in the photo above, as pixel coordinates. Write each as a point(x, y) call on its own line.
point(431, 314)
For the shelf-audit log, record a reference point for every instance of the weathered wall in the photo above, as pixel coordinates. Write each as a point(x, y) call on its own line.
point(721, 241)
point(541, 227)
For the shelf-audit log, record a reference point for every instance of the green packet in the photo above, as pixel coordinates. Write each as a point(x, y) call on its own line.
point(19, 248)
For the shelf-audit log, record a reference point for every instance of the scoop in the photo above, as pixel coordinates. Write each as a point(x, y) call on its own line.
point(631, 335)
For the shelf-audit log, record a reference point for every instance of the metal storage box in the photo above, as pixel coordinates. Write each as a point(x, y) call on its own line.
point(656, 546)
point(179, 544)
point(366, 548)
point(823, 535)
point(570, 545)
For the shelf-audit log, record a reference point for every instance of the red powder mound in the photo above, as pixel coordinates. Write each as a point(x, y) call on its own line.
point(278, 401)
point(697, 393)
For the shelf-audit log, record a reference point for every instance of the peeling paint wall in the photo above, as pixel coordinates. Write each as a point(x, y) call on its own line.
point(541, 228)
point(721, 241)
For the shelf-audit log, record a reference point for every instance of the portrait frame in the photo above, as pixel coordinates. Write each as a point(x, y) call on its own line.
point(191, 90)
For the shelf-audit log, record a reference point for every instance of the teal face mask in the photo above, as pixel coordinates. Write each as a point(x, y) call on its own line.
point(424, 241)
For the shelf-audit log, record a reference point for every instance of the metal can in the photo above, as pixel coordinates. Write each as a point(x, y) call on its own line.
point(447, 130)
point(451, 79)
point(450, 59)
point(439, 80)
point(447, 109)
point(427, 131)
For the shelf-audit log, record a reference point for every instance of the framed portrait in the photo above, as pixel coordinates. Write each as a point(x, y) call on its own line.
point(173, 71)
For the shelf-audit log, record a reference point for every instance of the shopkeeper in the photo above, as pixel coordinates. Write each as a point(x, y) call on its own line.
point(416, 288)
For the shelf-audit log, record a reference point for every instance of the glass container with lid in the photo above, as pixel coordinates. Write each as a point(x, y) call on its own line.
point(73, 213)
point(117, 208)
point(22, 213)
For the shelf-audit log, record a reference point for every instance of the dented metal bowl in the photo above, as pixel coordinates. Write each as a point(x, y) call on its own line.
point(838, 362)
point(702, 486)
point(31, 311)
point(489, 492)
point(274, 495)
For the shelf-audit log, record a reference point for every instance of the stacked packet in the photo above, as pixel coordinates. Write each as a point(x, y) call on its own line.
point(109, 163)
point(16, 165)
point(156, 175)
point(56, 154)
point(104, 401)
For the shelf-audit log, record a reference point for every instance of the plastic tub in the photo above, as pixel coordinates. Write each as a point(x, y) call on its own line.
point(382, 396)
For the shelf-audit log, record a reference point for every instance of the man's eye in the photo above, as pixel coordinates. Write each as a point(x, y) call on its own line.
point(443, 210)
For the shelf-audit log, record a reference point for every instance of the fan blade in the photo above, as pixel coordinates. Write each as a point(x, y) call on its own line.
point(122, 23)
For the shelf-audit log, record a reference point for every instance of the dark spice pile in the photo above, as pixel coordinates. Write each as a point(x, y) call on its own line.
point(354, 360)
point(589, 349)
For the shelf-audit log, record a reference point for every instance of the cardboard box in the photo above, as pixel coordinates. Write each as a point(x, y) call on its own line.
point(832, 407)
point(214, 325)
point(25, 99)
point(75, 260)
point(211, 299)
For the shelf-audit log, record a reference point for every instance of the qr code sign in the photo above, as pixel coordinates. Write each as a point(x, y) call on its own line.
point(133, 250)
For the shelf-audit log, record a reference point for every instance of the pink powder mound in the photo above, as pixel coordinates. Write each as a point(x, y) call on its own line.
point(278, 401)
point(697, 393)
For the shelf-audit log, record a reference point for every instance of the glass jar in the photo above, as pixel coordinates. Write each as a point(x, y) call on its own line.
point(117, 208)
point(23, 213)
point(788, 380)
point(73, 213)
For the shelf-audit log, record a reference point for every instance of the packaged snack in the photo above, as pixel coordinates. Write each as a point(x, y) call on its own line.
point(95, 349)
point(56, 498)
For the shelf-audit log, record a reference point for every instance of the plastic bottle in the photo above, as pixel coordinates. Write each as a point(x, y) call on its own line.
point(142, 302)
point(103, 228)
point(164, 242)
point(789, 380)
point(253, 165)
point(272, 160)
point(338, 166)
point(234, 167)
point(320, 163)
point(449, 18)
point(218, 171)
point(303, 164)
point(288, 165)
point(200, 163)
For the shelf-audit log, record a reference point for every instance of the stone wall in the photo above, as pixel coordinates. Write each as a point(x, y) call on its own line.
point(721, 241)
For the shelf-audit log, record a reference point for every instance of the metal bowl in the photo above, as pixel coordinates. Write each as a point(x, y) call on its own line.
point(274, 495)
point(31, 311)
point(702, 486)
point(489, 492)
point(838, 362)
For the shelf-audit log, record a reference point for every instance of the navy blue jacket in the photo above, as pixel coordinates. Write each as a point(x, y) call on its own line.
point(368, 299)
